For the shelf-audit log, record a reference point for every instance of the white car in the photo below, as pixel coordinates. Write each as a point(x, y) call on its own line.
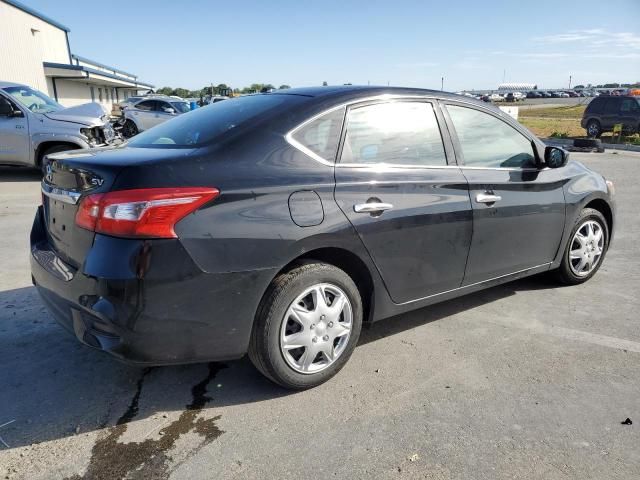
point(519, 96)
point(149, 112)
point(496, 97)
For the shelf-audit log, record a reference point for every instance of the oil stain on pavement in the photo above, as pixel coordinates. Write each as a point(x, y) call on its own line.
point(150, 459)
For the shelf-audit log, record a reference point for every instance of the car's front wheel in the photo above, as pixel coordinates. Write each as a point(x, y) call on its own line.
point(585, 249)
point(307, 326)
point(129, 129)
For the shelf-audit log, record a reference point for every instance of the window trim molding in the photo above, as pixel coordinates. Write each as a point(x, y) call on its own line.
point(397, 99)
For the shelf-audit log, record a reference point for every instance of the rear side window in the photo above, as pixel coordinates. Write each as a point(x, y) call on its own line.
point(321, 136)
point(395, 133)
point(613, 106)
point(147, 105)
point(488, 142)
point(596, 105)
point(203, 125)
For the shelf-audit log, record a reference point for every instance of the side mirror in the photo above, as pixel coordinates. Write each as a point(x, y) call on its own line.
point(555, 157)
point(6, 109)
point(168, 110)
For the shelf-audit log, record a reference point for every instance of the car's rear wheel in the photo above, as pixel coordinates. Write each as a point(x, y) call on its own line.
point(307, 326)
point(585, 249)
point(594, 129)
point(129, 129)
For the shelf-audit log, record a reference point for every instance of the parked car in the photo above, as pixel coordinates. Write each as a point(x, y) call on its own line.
point(545, 94)
point(556, 94)
point(496, 97)
point(534, 94)
point(32, 125)
point(150, 112)
point(510, 97)
point(604, 112)
point(277, 224)
point(118, 107)
point(572, 94)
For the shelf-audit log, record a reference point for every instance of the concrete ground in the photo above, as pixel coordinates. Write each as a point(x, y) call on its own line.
point(525, 380)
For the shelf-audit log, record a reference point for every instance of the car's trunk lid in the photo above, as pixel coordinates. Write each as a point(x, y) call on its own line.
point(66, 181)
point(73, 175)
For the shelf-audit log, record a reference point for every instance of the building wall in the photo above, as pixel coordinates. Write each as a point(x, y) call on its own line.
point(26, 42)
point(71, 93)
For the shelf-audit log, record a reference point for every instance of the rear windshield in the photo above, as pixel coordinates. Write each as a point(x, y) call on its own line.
point(196, 128)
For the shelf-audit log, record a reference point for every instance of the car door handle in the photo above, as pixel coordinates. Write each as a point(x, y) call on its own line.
point(372, 207)
point(487, 198)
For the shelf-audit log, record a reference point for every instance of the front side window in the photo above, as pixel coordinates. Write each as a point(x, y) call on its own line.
point(394, 133)
point(630, 105)
point(321, 136)
point(180, 107)
point(488, 142)
point(34, 100)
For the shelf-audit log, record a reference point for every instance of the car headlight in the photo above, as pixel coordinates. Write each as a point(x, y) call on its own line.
point(91, 135)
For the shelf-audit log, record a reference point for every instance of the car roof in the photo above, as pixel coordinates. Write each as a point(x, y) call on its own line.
point(11, 84)
point(161, 97)
point(349, 93)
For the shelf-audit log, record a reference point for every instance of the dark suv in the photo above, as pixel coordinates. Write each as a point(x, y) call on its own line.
point(605, 112)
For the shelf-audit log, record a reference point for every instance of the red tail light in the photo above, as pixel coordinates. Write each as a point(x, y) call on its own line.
point(142, 213)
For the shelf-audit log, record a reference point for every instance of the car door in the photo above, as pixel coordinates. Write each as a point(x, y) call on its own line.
point(144, 113)
point(408, 204)
point(14, 136)
point(630, 113)
point(611, 113)
point(518, 208)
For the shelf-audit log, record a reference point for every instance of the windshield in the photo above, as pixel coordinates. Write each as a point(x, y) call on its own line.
point(34, 100)
point(181, 107)
point(200, 126)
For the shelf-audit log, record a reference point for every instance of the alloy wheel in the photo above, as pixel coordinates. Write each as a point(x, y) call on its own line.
point(316, 328)
point(586, 248)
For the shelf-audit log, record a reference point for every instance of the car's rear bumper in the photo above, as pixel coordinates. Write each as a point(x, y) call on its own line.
point(147, 302)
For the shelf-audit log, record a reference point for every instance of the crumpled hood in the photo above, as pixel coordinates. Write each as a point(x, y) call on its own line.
point(90, 114)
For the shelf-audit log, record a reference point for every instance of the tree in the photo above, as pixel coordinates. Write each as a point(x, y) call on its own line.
point(284, 87)
point(578, 87)
point(181, 92)
point(324, 84)
point(165, 91)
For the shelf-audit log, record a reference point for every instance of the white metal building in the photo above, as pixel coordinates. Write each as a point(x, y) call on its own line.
point(35, 50)
point(512, 87)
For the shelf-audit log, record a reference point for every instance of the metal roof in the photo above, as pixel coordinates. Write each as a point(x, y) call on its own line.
point(101, 65)
point(82, 68)
point(35, 13)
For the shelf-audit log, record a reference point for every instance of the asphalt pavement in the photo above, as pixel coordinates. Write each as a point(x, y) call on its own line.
point(525, 380)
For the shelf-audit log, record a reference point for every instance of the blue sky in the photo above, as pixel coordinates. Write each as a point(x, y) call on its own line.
point(412, 43)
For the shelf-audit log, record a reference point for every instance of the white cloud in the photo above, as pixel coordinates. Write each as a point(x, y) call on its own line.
point(594, 39)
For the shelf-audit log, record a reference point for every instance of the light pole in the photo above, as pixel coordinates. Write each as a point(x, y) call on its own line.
point(442, 84)
point(569, 82)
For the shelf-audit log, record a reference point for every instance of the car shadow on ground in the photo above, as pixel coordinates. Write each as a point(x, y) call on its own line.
point(54, 387)
point(19, 174)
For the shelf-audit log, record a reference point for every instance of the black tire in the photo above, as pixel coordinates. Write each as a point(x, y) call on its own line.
point(264, 347)
point(50, 151)
point(594, 129)
point(129, 129)
point(565, 273)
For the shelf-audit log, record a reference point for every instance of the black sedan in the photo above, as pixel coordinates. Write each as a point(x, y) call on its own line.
point(277, 224)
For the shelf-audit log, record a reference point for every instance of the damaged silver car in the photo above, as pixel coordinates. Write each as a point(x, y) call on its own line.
point(32, 125)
